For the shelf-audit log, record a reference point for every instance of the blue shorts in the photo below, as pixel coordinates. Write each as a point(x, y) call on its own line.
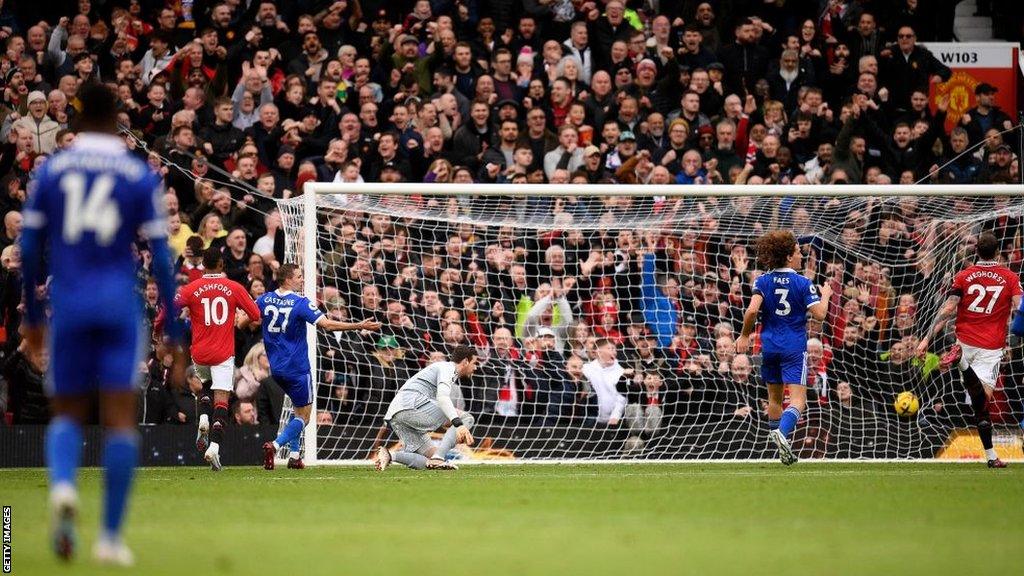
point(87, 357)
point(784, 368)
point(300, 389)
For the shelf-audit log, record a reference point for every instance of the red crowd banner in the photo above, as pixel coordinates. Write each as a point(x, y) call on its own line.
point(974, 63)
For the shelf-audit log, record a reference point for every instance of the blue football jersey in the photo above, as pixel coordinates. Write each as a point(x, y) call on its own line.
point(787, 296)
point(284, 332)
point(89, 204)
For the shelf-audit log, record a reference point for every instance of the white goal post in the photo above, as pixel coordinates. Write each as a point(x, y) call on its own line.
point(890, 250)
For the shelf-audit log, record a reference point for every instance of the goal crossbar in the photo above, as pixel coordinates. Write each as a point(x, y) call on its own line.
point(761, 190)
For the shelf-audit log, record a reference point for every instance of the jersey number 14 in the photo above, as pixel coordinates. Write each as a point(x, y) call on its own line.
point(98, 213)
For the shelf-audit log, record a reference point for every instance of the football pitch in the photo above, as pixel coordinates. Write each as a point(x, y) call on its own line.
point(635, 520)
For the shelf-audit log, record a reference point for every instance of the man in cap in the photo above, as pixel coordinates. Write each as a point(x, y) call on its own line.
point(625, 150)
point(593, 165)
point(508, 109)
point(985, 115)
point(1000, 161)
point(407, 60)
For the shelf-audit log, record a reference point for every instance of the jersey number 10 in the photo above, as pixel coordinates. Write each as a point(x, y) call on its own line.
point(215, 311)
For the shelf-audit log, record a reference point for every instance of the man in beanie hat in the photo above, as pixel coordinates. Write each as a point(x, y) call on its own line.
point(42, 127)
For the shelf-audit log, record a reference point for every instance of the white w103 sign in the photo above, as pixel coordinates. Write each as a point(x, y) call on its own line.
point(974, 54)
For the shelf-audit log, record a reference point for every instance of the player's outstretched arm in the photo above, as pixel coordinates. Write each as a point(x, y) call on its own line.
point(248, 305)
point(337, 325)
point(946, 313)
point(820, 309)
point(749, 321)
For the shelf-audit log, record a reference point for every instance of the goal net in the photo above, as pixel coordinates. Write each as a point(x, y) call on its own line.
point(541, 283)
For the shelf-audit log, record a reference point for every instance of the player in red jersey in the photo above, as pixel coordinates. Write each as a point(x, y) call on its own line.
point(980, 302)
point(211, 302)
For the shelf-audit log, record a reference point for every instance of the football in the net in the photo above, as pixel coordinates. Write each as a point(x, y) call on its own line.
point(906, 404)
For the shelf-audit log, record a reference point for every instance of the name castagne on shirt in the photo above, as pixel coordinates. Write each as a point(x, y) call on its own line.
point(271, 298)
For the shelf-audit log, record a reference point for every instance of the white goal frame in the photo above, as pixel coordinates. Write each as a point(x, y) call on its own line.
point(312, 190)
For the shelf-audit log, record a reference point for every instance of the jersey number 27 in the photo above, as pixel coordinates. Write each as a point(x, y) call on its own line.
point(980, 293)
point(279, 320)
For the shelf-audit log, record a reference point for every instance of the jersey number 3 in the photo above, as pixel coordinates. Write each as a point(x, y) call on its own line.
point(784, 307)
point(98, 213)
point(980, 293)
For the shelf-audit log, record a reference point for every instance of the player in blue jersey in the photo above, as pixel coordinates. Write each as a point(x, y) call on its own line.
point(782, 298)
point(89, 205)
point(285, 314)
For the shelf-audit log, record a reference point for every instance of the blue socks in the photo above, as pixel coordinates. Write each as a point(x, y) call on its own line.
point(120, 457)
point(63, 450)
point(291, 432)
point(773, 424)
point(294, 445)
point(788, 422)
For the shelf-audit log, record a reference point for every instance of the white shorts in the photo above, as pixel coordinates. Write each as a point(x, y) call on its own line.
point(984, 362)
point(222, 375)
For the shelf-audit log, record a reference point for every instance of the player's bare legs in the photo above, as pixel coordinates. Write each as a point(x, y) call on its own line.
point(220, 418)
point(775, 395)
point(64, 452)
point(301, 417)
point(120, 457)
point(992, 462)
point(981, 395)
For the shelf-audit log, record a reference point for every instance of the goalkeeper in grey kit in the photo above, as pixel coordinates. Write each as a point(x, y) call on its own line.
point(422, 405)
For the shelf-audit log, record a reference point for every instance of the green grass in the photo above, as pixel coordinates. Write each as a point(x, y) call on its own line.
point(631, 520)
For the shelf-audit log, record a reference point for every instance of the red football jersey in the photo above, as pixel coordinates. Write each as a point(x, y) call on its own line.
point(211, 302)
point(986, 292)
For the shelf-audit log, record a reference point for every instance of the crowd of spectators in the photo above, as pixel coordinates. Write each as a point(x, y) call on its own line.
point(238, 104)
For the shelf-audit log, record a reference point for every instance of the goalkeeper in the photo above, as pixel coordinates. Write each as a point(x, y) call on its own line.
point(422, 405)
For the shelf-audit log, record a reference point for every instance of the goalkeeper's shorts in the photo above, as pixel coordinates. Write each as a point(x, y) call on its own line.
point(413, 426)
